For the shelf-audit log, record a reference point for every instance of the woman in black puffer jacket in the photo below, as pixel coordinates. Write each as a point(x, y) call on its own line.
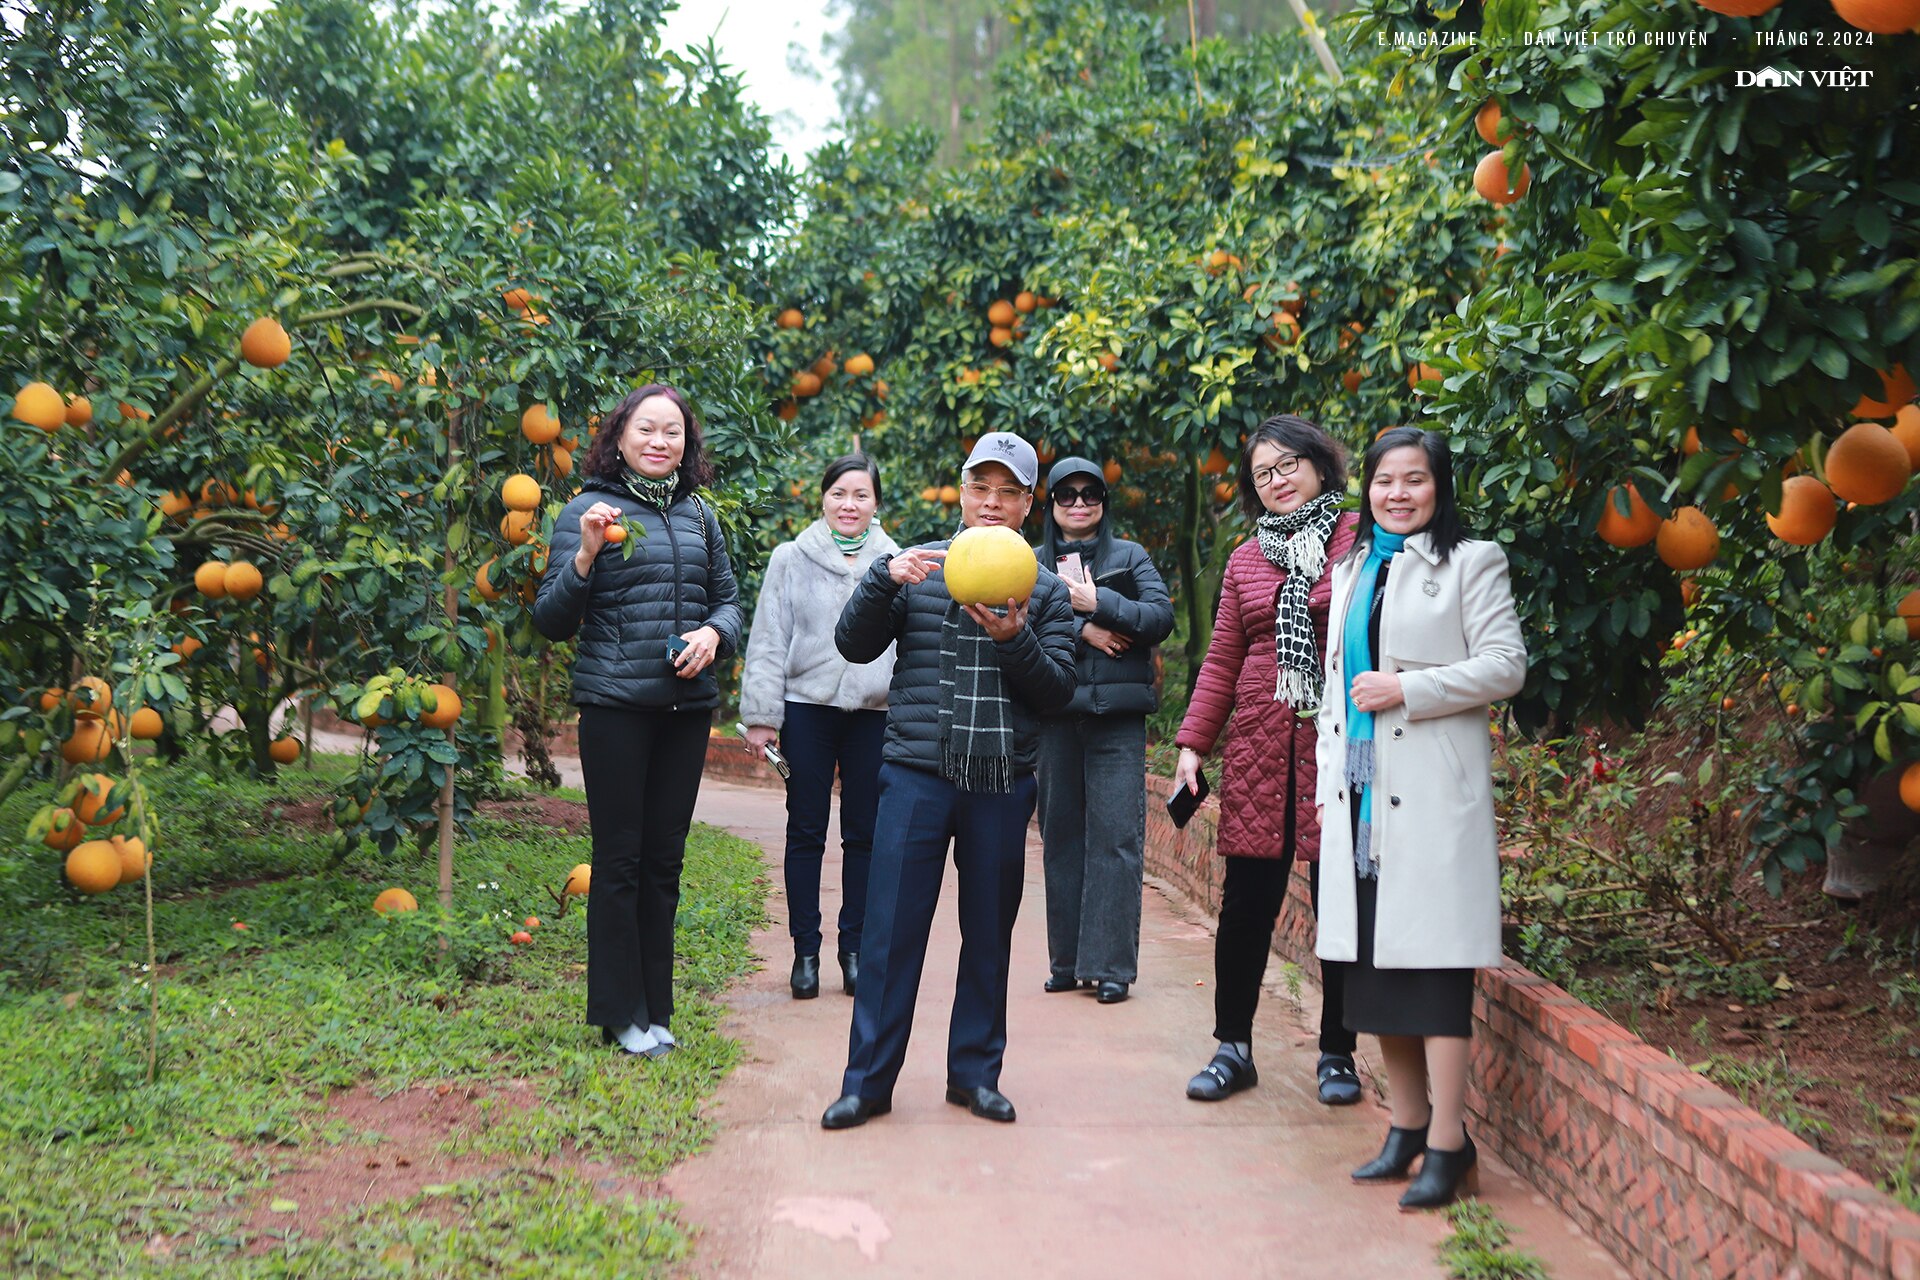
point(645, 701)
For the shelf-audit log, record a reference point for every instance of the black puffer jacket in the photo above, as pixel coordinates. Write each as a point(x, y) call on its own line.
point(1133, 601)
point(1037, 662)
point(677, 578)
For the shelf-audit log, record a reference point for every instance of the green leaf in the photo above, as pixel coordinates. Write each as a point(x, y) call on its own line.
point(1586, 94)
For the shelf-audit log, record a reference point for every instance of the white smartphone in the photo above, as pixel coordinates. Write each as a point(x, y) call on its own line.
point(1071, 569)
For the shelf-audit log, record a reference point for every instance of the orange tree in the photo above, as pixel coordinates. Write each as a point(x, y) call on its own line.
point(1711, 286)
point(1155, 248)
point(531, 216)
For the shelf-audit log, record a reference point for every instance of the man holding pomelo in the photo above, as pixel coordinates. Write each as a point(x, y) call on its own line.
point(970, 680)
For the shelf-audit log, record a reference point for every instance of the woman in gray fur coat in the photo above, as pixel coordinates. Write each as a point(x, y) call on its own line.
point(826, 713)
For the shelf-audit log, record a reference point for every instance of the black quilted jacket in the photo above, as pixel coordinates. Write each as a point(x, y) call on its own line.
point(1037, 662)
point(677, 578)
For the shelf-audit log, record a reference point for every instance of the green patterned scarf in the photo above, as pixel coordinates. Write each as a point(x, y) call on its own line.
point(849, 546)
point(655, 493)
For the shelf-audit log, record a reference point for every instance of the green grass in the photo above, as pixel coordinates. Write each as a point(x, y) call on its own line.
point(1479, 1248)
point(319, 994)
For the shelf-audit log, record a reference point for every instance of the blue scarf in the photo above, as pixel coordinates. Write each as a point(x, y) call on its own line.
point(1358, 649)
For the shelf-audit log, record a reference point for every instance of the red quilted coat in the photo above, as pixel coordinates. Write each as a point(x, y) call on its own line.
point(1269, 753)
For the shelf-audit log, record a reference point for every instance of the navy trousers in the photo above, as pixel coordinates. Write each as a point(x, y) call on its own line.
point(818, 740)
point(920, 814)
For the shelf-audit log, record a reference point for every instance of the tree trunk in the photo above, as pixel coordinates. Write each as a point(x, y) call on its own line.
point(1187, 549)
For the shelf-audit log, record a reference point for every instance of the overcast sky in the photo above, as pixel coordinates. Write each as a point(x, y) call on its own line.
point(754, 36)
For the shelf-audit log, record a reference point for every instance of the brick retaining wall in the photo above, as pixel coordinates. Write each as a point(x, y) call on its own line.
point(1676, 1177)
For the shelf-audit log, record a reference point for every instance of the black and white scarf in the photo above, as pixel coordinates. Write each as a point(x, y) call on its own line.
point(976, 721)
point(1296, 542)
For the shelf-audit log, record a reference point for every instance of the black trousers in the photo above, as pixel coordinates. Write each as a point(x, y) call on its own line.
point(819, 741)
point(642, 770)
point(1250, 901)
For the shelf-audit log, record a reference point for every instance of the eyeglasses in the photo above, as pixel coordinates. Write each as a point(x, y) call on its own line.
point(1264, 476)
point(1078, 497)
point(1006, 492)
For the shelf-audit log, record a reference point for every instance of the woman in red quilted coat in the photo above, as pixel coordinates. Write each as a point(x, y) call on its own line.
point(1264, 672)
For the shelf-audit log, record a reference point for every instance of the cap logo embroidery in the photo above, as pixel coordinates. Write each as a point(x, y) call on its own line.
point(1004, 445)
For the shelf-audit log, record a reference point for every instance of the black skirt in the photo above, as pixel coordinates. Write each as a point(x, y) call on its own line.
point(1400, 1002)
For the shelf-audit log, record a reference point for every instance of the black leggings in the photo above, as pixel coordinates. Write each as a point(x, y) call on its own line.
point(1250, 901)
point(642, 769)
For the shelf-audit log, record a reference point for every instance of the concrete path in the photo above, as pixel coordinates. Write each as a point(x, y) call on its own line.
point(1109, 1171)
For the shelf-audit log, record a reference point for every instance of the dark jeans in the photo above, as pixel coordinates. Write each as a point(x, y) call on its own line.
point(1250, 902)
point(818, 740)
point(920, 814)
point(1093, 819)
point(642, 771)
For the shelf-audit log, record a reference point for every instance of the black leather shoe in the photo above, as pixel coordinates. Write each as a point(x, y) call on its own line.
point(1443, 1174)
point(1112, 992)
point(850, 972)
point(852, 1111)
point(1339, 1082)
point(1402, 1148)
point(1056, 983)
point(806, 977)
point(1225, 1076)
point(988, 1104)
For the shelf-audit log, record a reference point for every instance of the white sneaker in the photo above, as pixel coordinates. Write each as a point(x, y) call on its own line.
point(661, 1034)
point(637, 1039)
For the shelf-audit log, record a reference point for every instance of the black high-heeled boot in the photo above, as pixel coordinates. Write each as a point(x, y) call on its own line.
point(806, 977)
point(1396, 1156)
point(1443, 1174)
point(850, 972)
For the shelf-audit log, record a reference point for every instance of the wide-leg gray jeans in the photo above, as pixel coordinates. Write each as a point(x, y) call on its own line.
point(1093, 821)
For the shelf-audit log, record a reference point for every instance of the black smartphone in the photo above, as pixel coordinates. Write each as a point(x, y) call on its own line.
point(1182, 803)
point(676, 645)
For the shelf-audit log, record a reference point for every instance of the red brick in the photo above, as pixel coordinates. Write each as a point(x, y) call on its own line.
point(1705, 1114)
point(1660, 1089)
point(1767, 1216)
point(1728, 1260)
point(1754, 1148)
point(1718, 1179)
point(1584, 1039)
point(1630, 1114)
point(1671, 1146)
point(1903, 1251)
point(1860, 1220)
point(1821, 1255)
point(1806, 1181)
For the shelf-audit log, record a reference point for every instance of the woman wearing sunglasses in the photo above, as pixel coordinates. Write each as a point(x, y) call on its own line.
point(1264, 670)
point(1093, 753)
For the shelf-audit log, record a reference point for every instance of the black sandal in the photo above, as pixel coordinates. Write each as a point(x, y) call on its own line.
point(1225, 1076)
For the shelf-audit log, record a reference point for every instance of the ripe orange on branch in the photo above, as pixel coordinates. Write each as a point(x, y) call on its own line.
point(91, 805)
point(135, 860)
point(242, 580)
point(859, 366)
point(1896, 389)
point(145, 724)
point(446, 708)
point(1688, 539)
point(1487, 121)
point(94, 867)
point(284, 750)
point(538, 424)
point(520, 492)
point(265, 345)
point(1638, 526)
point(1807, 512)
point(1867, 464)
point(91, 696)
point(1000, 314)
point(39, 405)
point(64, 831)
point(1494, 183)
point(792, 318)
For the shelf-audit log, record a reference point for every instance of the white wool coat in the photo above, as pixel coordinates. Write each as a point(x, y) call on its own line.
point(790, 651)
point(1450, 631)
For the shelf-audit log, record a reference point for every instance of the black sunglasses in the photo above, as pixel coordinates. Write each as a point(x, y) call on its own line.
point(1087, 497)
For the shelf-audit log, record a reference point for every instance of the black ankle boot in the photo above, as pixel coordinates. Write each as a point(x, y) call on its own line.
point(850, 972)
point(1395, 1158)
point(806, 977)
point(1443, 1174)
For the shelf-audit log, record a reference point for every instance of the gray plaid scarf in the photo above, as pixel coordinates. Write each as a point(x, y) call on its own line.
point(976, 720)
point(1296, 543)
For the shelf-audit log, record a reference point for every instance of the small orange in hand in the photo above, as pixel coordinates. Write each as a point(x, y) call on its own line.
point(616, 534)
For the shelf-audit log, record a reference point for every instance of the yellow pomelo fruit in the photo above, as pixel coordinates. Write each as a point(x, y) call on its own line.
point(990, 565)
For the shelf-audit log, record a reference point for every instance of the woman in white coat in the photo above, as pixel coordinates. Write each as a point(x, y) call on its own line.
point(1422, 636)
point(827, 714)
